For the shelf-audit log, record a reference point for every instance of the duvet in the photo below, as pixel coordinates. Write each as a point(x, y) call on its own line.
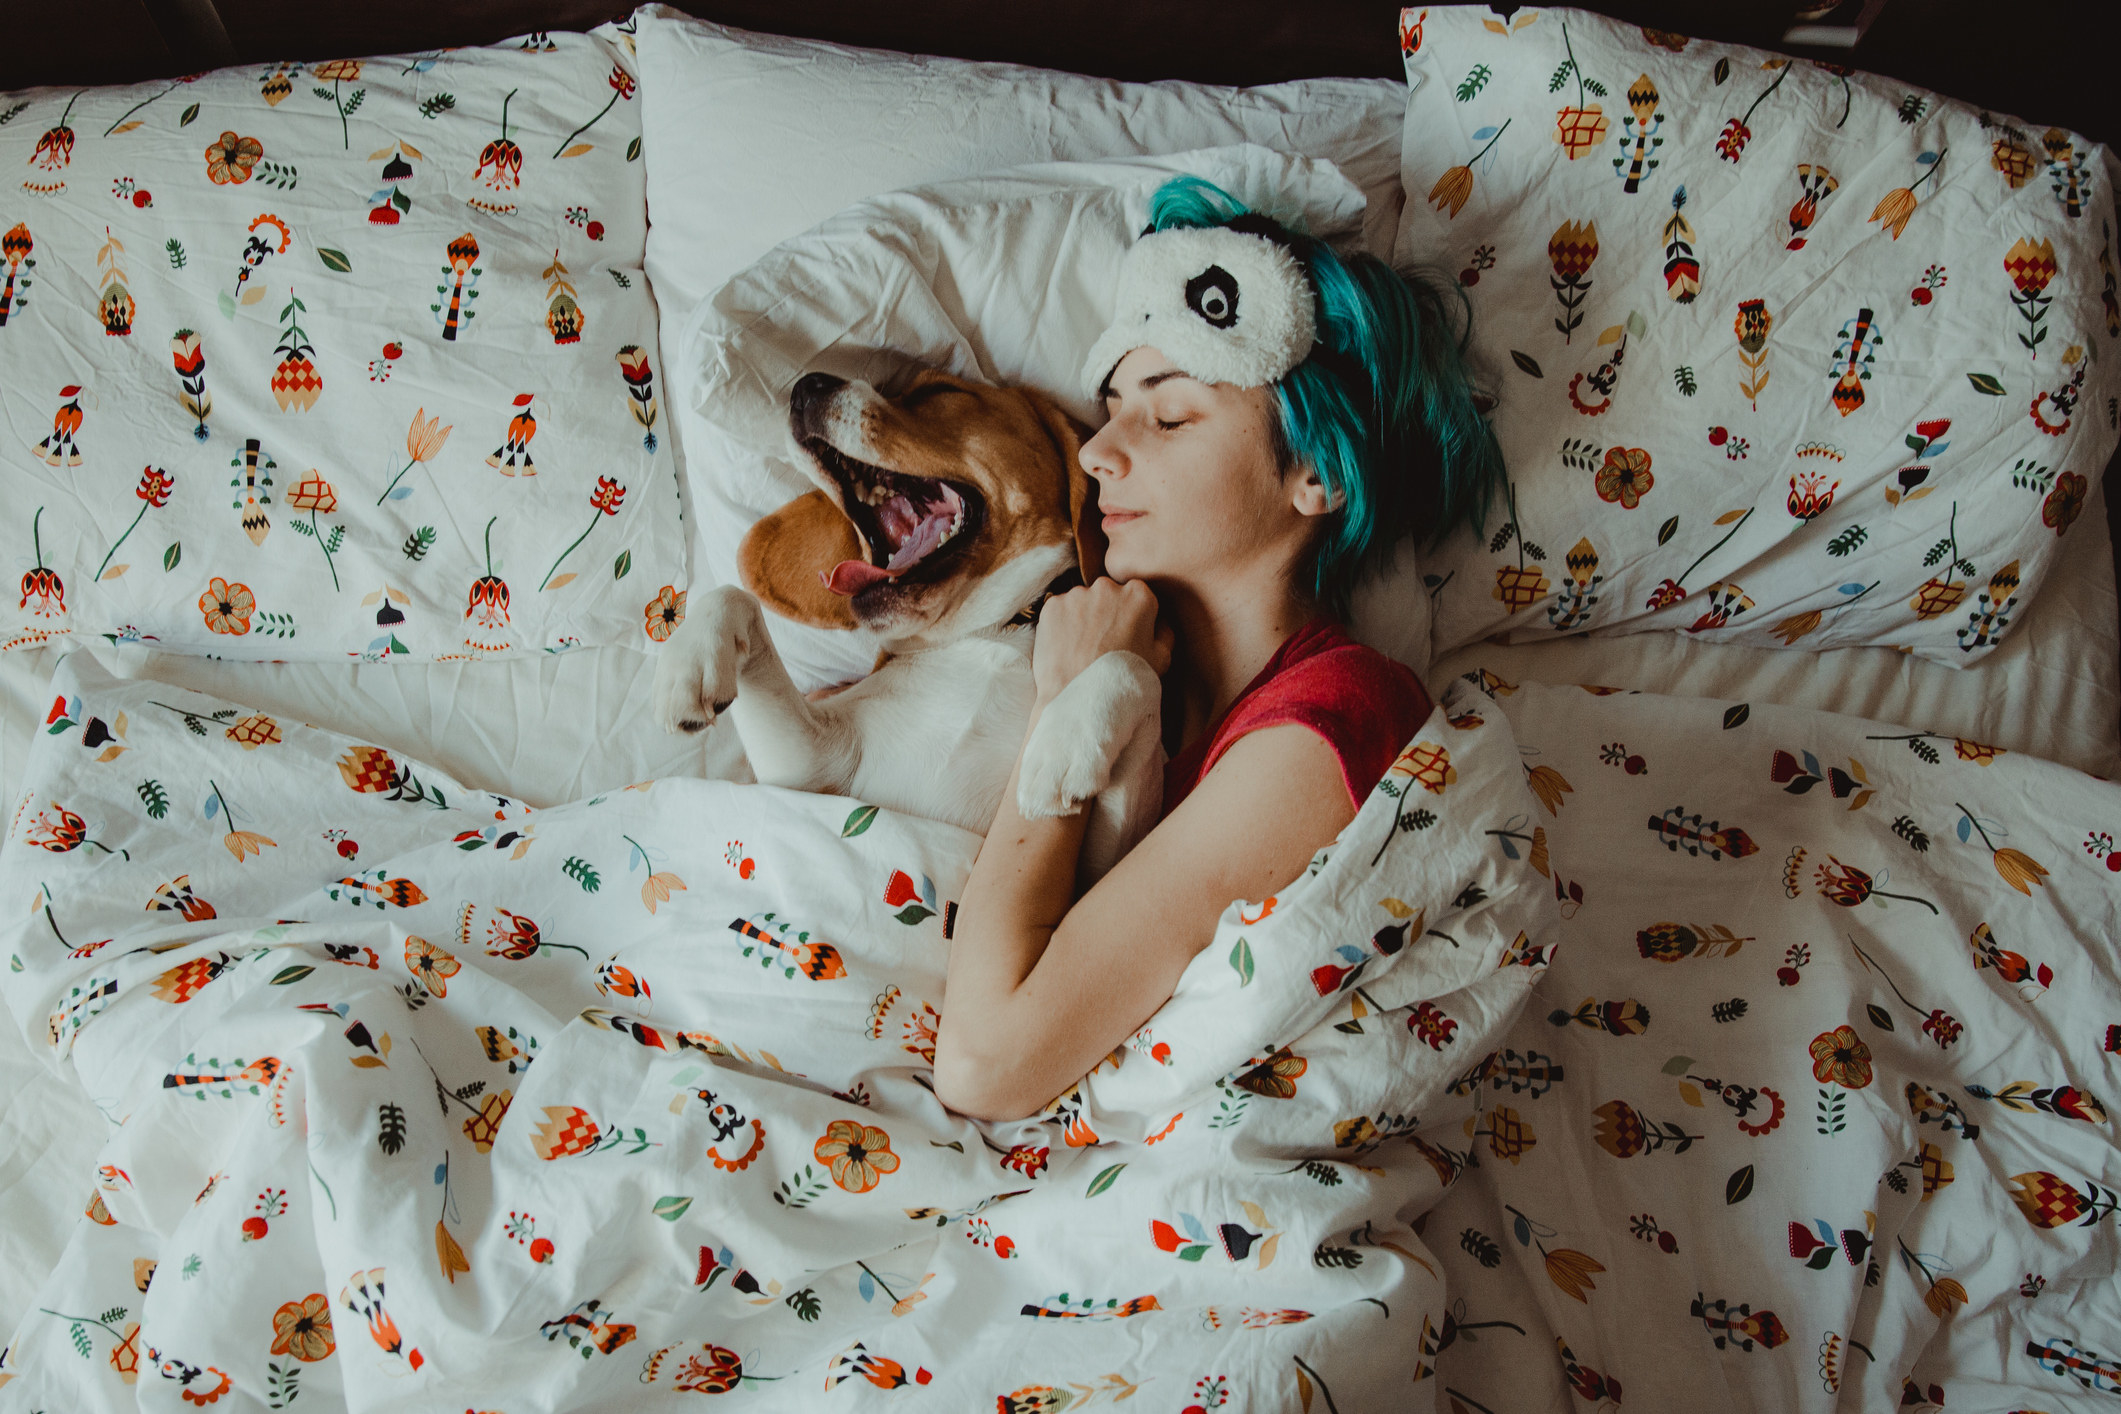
point(422, 1099)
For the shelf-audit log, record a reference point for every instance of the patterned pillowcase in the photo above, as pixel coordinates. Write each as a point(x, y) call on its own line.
point(1790, 355)
point(261, 329)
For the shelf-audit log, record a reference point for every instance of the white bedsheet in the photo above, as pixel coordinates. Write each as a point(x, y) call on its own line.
point(561, 728)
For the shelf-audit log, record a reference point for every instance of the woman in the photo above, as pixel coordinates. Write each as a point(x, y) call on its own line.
point(1279, 417)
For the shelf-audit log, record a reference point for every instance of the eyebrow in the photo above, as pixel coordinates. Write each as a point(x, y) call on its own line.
point(1151, 381)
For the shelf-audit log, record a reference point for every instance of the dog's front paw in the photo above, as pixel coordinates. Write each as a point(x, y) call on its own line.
point(1072, 751)
point(696, 673)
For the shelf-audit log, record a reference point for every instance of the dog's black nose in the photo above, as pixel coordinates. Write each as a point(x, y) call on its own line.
point(810, 393)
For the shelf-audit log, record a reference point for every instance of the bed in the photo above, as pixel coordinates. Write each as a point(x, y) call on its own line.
point(1466, 1195)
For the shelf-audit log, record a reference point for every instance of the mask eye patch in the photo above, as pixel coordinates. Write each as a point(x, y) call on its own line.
point(1212, 294)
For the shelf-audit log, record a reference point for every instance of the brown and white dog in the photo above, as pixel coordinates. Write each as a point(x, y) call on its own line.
point(940, 519)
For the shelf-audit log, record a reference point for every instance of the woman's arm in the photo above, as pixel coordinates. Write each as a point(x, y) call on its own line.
point(1040, 991)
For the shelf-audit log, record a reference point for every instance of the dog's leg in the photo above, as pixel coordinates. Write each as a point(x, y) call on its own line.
point(1104, 719)
point(722, 659)
point(1128, 807)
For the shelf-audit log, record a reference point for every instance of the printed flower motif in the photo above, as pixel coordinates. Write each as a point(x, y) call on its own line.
point(1571, 1271)
point(621, 81)
point(2030, 264)
point(154, 487)
point(1572, 248)
point(482, 1129)
point(56, 147)
point(431, 965)
point(229, 159)
point(664, 613)
point(1509, 1137)
point(1666, 942)
point(1028, 1159)
point(1797, 626)
point(303, 1328)
point(254, 731)
point(1840, 1057)
point(336, 70)
point(227, 607)
point(859, 1154)
point(368, 769)
point(1619, 1129)
point(2047, 1200)
point(125, 1355)
point(503, 156)
point(1520, 586)
point(1942, 1027)
point(62, 838)
point(1432, 1025)
point(2064, 503)
point(1980, 753)
point(1452, 189)
point(1753, 325)
point(314, 493)
point(1275, 1077)
point(203, 1396)
point(1625, 477)
point(1730, 143)
point(48, 590)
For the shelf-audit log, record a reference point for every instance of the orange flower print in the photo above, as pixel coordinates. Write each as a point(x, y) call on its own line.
point(125, 1355)
point(303, 1328)
point(486, 606)
point(1625, 477)
point(501, 161)
point(1840, 1057)
point(227, 607)
point(42, 584)
point(56, 148)
point(2065, 502)
point(230, 158)
point(858, 1154)
point(431, 965)
point(1456, 185)
point(664, 613)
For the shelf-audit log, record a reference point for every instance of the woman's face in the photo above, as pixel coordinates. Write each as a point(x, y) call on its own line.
point(1187, 481)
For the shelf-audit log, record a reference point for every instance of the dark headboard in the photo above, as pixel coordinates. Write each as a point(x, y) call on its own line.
point(2050, 70)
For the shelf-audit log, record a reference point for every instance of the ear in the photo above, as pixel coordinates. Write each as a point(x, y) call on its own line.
point(784, 556)
point(1067, 438)
point(1309, 494)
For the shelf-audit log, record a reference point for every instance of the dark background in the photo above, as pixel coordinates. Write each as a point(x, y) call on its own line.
point(2046, 61)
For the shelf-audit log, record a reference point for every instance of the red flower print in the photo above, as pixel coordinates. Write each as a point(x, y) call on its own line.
point(900, 890)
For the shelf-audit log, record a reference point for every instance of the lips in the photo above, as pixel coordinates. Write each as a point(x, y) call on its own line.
point(907, 524)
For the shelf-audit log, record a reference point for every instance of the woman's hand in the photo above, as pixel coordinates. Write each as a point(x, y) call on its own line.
point(1075, 629)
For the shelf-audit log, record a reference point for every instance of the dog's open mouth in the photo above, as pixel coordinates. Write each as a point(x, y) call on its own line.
point(908, 525)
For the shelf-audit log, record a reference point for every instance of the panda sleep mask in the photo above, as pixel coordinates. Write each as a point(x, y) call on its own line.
point(1225, 304)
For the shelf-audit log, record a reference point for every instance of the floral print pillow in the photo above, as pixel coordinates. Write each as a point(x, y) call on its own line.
point(1787, 355)
point(340, 359)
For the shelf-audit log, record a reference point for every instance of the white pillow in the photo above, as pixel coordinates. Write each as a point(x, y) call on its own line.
point(1868, 335)
point(753, 138)
point(1007, 278)
point(151, 227)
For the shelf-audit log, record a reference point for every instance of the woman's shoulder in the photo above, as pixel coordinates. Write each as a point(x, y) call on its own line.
point(1335, 673)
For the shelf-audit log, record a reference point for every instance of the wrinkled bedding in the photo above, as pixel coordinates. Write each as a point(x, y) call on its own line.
point(423, 1098)
point(1810, 1112)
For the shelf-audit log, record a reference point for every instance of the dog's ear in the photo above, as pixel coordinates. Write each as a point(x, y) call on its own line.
point(1067, 435)
point(784, 557)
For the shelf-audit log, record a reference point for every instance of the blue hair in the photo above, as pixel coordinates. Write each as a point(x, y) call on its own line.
point(1381, 410)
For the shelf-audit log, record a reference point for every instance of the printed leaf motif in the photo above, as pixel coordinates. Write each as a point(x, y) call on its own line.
point(184, 119)
point(863, 817)
point(672, 1208)
point(1880, 1017)
point(623, 565)
point(633, 149)
point(1667, 530)
point(334, 259)
point(1678, 1065)
point(174, 553)
point(1530, 365)
point(578, 149)
point(1103, 1181)
point(451, 1255)
point(1735, 716)
point(1241, 960)
point(1986, 383)
point(287, 976)
point(1739, 1186)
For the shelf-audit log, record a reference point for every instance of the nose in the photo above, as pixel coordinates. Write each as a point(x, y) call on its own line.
point(1101, 456)
point(811, 392)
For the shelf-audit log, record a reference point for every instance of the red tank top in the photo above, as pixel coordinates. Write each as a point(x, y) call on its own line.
point(1364, 705)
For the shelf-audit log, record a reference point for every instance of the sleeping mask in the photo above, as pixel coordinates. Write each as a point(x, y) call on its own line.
point(1228, 304)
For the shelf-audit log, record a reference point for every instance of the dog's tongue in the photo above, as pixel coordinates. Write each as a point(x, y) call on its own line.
point(850, 577)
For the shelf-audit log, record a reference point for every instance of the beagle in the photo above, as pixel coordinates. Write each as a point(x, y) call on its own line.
point(942, 518)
